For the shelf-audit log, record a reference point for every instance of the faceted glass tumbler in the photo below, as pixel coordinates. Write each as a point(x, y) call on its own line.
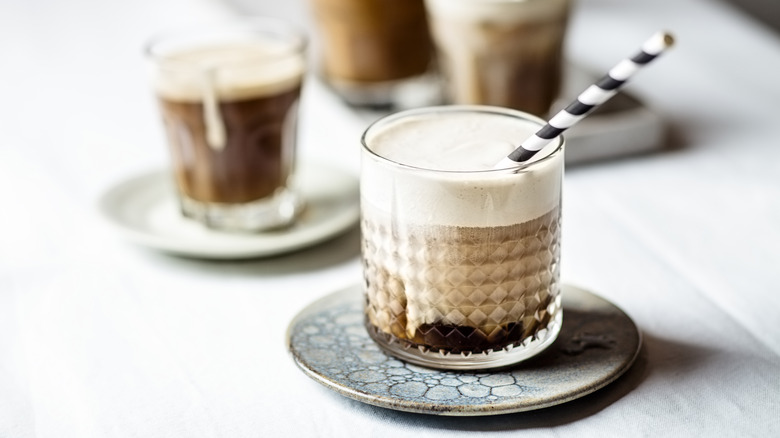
point(457, 296)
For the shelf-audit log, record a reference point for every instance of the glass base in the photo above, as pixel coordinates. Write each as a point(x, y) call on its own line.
point(490, 359)
point(276, 211)
point(411, 92)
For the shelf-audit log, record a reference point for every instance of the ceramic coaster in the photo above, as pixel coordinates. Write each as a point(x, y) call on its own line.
point(598, 342)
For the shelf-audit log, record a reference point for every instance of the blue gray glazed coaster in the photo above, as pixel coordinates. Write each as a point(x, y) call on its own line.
point(597, 343)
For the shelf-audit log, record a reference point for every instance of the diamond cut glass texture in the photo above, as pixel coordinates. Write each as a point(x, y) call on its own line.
point(461, 289)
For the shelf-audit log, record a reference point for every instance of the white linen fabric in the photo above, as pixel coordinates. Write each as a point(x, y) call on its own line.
point(101, 338)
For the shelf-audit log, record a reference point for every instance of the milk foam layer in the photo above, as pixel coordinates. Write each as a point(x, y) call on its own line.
point(460, 190)
point(235, 71)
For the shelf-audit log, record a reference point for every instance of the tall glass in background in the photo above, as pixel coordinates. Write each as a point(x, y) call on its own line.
point(501, 52)
point(228, 95)
point(461, 261)
point(376, 52)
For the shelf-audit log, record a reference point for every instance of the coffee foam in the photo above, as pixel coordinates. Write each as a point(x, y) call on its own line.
point(237, 71)
point(470, 143)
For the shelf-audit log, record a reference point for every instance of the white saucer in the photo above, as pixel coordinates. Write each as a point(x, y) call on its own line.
point(145, 210)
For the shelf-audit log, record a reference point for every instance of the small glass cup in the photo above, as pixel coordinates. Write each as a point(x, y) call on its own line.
point(500, 52)
point(377, 53)
point(228, 95)
point(461, 267)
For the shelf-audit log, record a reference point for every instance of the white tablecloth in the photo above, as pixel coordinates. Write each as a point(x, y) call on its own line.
point(103, 338)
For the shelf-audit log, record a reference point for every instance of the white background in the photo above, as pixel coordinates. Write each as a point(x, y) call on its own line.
point(102, 338)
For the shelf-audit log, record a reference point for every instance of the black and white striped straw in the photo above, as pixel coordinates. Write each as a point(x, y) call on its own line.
point(589, 99)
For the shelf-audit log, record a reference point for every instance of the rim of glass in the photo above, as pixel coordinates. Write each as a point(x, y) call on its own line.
point(485, 109)
point(494, 2)
point(264, 25)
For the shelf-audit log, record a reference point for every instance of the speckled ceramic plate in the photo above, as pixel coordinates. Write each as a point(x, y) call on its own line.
point(598, 342)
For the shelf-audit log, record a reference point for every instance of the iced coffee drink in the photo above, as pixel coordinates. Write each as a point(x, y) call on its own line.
point(501, 52)
point(229, 100)
point(461, 261)
point(373, 49)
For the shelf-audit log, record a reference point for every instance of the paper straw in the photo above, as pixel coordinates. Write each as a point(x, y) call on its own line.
point(589, 99)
